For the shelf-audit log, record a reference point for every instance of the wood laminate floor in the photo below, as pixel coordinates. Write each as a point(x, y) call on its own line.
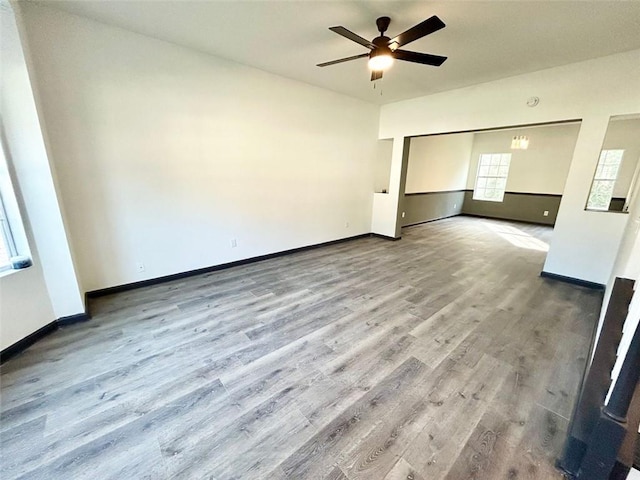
point(441, 356)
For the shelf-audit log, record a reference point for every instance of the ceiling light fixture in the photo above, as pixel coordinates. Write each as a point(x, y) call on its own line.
point(520, 142)
point(383, 51)
point(380, 59)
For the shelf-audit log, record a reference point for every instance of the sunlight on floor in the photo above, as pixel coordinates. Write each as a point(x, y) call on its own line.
point(518, 238)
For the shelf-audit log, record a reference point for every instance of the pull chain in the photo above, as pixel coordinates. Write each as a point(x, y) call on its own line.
point(375, 85)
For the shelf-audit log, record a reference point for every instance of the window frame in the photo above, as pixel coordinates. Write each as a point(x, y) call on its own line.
point(603, 180)
point(12, 235)
point(6, 238)
point(497, 176)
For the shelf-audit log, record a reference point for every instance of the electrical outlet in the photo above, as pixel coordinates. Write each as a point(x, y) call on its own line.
point(455, 205)
point(140, 266)
point(346, 225)
point(545, 213)
point(402, 214)
point(234, 243)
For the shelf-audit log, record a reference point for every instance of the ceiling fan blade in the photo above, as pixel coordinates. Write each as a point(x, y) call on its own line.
point(353, 37)
point(376, 75)
point(416, 57)
point(430, 25)
point(333, 62)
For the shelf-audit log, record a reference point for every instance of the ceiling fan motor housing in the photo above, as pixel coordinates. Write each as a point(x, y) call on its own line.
point(382, 46)
point(383, 24)
point(381, 41)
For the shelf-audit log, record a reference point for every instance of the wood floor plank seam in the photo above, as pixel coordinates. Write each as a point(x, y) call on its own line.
point(551, 411)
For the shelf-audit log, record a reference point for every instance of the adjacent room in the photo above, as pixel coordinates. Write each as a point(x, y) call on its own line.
point(491, 173)
point(319, 240)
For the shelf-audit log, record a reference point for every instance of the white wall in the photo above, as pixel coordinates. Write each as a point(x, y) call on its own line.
point(542, 168)
point(624, 134)
point(584, 243)
point(163, 154)
point(25, 305)
point(382, 167)
point(439, 163)
point(26, 147)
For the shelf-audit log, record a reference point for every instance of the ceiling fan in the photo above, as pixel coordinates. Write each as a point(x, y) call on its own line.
point(384, 49)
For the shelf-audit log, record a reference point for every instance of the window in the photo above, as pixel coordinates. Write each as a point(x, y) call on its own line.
point(604, 179)
point(7, 245)
point(493, 169)
point(12, 238)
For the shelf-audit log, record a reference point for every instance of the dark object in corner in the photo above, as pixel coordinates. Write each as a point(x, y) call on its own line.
point(20, 262)
point(617, 204)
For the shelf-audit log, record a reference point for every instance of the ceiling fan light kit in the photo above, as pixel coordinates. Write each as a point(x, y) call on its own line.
point(384, 50)
point(380, 59)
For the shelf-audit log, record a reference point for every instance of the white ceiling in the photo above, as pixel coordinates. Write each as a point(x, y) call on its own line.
point(483, 40)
